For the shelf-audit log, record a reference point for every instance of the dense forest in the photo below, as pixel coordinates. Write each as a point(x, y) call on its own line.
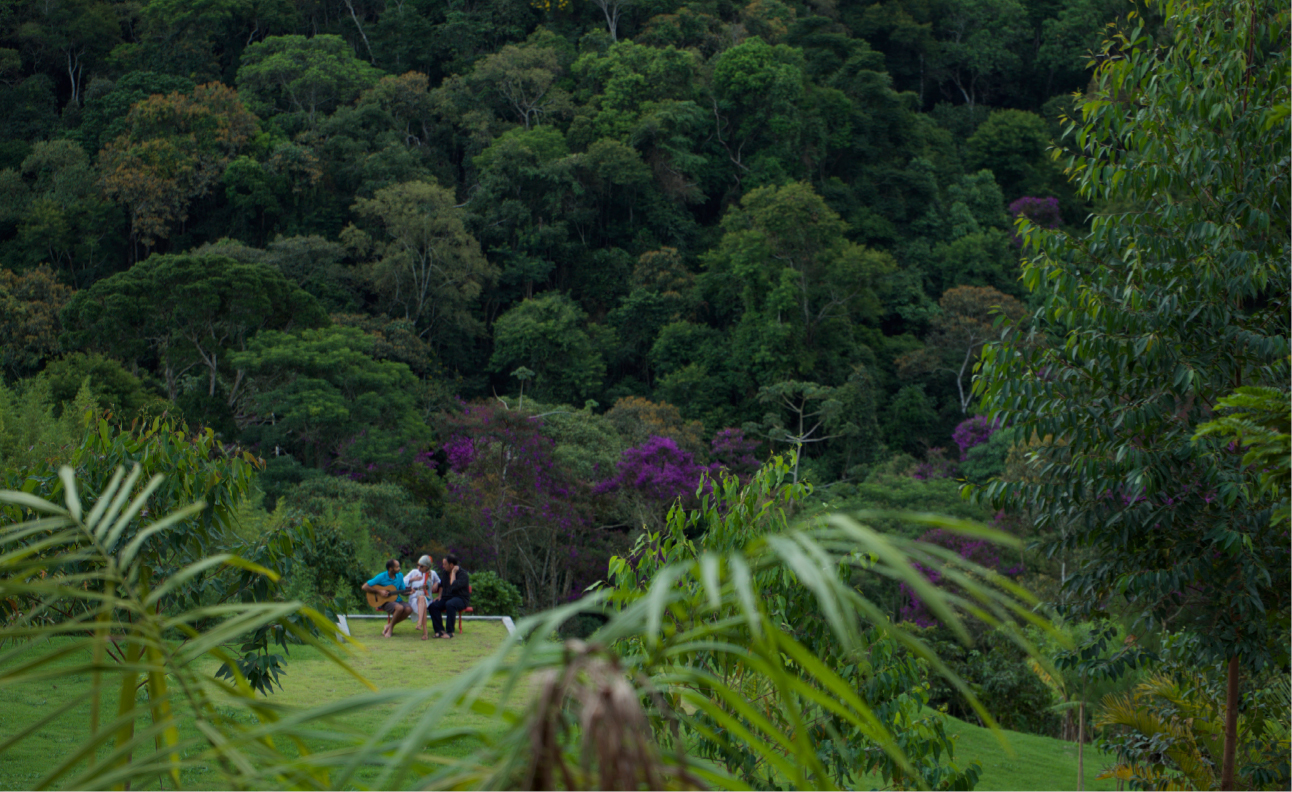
point(320, 228)
point(537, 281)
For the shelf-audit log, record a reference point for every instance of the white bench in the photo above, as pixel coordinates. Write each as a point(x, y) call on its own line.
point(343, 620)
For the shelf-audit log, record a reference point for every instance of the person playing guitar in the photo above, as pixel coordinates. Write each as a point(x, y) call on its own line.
point(380, 590)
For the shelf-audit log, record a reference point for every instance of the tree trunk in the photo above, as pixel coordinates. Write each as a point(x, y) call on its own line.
point(1231, 727)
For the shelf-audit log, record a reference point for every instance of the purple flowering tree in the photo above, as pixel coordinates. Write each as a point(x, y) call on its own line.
point(651, 477)
point(1043, 212)
point(730, 449)
point(528, 517)
point(658, 469)
point(934, 466)
point(974, 432)
point(978, 551)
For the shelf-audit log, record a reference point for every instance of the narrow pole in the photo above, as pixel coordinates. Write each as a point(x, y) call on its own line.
point(1081, 737)
point(1231, 727)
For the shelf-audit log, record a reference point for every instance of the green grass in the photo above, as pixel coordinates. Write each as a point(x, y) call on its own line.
point(1040, 763)
point(405, 661)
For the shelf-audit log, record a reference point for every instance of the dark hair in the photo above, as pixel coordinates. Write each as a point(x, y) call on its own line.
point(391, 564)
point(452, 559)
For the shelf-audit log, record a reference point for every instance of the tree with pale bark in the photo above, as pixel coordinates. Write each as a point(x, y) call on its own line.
point(427, 265)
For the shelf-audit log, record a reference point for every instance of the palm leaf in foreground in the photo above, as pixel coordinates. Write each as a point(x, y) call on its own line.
point(77, 576)
point(663, 660)
point(676, 665)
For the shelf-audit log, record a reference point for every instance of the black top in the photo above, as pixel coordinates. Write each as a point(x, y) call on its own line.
point(460, 587)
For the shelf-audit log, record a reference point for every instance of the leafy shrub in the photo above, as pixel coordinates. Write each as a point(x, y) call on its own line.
point(1168, 732)
point(280, 475)
point(997, 672)
point(493, 596)
point(389, 513)
point(890, 686)
point(987, 460)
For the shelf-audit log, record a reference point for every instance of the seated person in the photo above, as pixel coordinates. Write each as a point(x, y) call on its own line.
point(422, 582)
point(397, 610)
point(455, 594)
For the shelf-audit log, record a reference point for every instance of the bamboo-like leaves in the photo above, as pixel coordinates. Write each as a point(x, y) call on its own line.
point(701, 651)
point(73, 585)
point(696, 618)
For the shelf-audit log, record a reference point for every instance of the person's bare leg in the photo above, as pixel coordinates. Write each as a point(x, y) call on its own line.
point(401, 613)
point(421, 616)
point(385, 631)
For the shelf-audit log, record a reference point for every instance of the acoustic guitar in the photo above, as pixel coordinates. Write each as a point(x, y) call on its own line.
point(383, 594)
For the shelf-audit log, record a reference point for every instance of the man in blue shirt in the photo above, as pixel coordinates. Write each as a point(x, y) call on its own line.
point(396, 609)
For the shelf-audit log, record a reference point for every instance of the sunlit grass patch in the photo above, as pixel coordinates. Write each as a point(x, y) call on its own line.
point(404, 661)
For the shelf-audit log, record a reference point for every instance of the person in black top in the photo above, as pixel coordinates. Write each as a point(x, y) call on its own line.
point(455, 594)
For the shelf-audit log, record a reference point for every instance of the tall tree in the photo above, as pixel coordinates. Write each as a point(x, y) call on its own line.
point(187, 312)
point(547, 335)
point(800, 287)
point(303, 77)
point(175, 150)
point(69, 36)
point(320, 394)
point(29, 326)
point(428, 266)
point(1177, 295)
point(966, 323)
point(980, 43)
point(770, 122)
point(522, 82)
point(64, 220)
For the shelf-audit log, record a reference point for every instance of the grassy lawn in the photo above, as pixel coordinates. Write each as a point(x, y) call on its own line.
point(406, 661)
point(1040, 763)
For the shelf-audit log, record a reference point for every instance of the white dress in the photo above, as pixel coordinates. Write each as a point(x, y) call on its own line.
point(420, 585)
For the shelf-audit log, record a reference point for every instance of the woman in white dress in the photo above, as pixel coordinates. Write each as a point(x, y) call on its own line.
point(421, 582)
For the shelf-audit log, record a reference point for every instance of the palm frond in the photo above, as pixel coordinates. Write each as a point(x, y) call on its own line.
point(78, 580)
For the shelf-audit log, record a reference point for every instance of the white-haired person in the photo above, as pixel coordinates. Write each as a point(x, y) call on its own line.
point(422, 581)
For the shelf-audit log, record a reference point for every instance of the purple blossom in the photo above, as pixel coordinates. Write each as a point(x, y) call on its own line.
point(460, 452)
point(934, 466)
point(974, 432)
point(1043, 212)
point(978, 551)
point(657, 469)
point(735, 452)
point(522, 501)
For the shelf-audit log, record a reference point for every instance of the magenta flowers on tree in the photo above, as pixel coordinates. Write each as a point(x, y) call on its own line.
point(1043, 212)
point(978, 551)
point(662, 472)
point(730, 449)
point(657, 469)
point(974, 432)
point(529, 520)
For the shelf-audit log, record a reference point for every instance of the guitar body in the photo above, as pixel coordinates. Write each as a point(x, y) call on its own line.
point(382, 595)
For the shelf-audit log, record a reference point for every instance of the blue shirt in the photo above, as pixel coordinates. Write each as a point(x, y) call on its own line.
point(385, 579)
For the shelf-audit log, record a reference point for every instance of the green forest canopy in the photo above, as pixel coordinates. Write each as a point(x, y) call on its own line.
point(509, 279)
point(680, 202)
